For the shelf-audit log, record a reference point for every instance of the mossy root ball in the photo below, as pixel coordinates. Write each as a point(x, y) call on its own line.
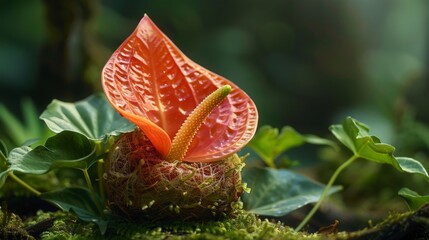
point(139, 184)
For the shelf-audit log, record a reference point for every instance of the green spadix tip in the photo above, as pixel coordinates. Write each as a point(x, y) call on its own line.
point(226, 88)
point(186, 133)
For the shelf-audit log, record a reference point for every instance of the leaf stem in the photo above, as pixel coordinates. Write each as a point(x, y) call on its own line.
point(270, 163)
point(100, 172)
point(91, 189)
point(24, 184)
point(326, 191)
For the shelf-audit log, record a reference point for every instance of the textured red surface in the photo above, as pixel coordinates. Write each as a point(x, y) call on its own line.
point(149, 81)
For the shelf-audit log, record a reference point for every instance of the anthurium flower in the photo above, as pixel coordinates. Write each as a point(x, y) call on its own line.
point(149, 81)
point(180, 162)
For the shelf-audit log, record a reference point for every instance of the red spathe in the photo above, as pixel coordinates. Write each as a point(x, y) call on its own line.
point(149, 81)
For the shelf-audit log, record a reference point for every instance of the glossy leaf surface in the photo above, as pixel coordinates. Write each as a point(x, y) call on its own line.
point(278, 192)
point(66, 149)
point(411, 165)
point(154, 85)
point(92, 117)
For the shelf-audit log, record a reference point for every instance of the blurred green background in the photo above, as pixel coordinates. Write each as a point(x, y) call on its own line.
point(305, 63)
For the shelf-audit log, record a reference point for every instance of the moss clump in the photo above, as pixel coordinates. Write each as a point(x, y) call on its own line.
point(244, 226)
point(60, 225)
point(142, 185)
point(11, 227)
point(409, 225)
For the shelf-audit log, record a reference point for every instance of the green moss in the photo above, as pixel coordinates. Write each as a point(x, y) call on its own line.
point(11, 227)
point(408, 225)
point(243, 226)
point(390, 220)
point(61, 225)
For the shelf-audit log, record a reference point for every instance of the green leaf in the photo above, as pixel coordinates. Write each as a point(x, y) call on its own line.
point(13, 127)
point(78, 201)
point(413, 199)
point(315, 140)
point(411, 165)
point(348, 132)
point(20, 132)
point(355, 136)
point(93, 117)
point(31, 117)
point(66, 149)
point(268, 143)
point(278, 192)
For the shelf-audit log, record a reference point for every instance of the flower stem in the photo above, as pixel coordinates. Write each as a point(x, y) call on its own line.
point(325, 191)
point(100, 172)
point(24, 184)
point(91, 189)
point(271, 164)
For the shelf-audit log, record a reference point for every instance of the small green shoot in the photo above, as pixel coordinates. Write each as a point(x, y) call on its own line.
point(355, 136)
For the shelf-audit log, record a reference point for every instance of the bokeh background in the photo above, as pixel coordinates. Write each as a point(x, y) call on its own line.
point(306, 63)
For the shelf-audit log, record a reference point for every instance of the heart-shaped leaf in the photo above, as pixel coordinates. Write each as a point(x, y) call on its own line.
point(413, 199)
point(268, 143)
point(93, 117)
point(66, 149)
point(152, 83)
point(278, 192)
point(355, 136)
point(78, 201)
